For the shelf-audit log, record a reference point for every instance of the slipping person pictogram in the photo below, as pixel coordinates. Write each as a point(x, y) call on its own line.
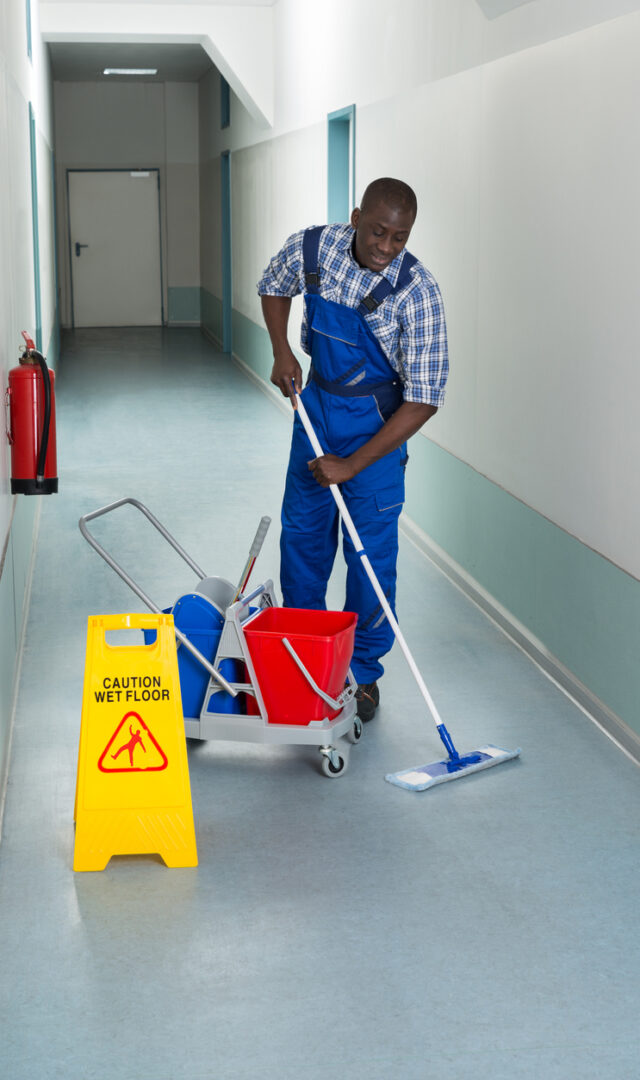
point(154, 759)
point(135, 740)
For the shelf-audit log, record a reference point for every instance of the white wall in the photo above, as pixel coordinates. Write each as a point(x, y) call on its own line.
point(134, 125)
point(331, 54)
point(528, 171)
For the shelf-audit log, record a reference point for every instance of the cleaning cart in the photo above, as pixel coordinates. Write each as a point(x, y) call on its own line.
point(251, 671)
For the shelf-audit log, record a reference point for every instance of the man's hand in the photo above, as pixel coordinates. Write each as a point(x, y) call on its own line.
point(331, 469)
point(409, 418)
point(287, 374)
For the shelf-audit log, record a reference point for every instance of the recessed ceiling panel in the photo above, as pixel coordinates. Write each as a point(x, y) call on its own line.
point(85, 62)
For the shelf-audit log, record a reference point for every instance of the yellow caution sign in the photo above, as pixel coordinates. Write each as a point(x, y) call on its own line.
point(133, 794)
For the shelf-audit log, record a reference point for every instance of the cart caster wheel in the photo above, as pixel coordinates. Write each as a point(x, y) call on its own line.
point(355, 734)
point(333, 764)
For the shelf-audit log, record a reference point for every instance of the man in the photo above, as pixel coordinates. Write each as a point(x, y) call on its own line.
point(375, 330)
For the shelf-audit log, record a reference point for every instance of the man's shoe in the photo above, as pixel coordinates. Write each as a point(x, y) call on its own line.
point(368, 698)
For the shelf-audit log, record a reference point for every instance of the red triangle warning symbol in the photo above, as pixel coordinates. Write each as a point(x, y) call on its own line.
point(132, 748)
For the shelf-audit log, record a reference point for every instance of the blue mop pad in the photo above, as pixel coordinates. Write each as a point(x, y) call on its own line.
point(438, 772)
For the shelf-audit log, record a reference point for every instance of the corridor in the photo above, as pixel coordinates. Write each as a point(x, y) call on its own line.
point(334, 929)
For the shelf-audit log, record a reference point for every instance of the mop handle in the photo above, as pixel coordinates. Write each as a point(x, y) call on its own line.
point(255, 549)
point(357, 543)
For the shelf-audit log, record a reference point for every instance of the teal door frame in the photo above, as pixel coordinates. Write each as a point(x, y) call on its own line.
point(341, 160)
point(227, 275)
point(33, 143)
point(56, 284)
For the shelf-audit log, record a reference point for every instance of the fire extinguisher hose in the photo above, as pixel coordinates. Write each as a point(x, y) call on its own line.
point(44, 441)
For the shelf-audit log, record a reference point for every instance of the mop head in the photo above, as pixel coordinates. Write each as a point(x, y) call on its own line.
point(425, 776)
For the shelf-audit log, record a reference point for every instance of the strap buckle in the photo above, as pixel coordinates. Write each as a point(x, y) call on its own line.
point(370, 302)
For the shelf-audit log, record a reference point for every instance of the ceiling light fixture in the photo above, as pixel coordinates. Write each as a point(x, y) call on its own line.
point(130, 71)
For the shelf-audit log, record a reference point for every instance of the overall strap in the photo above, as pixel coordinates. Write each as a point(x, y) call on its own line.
point(310, 248)
point(384, 288)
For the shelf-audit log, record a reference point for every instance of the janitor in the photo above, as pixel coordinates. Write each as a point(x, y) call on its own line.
point(375, 330)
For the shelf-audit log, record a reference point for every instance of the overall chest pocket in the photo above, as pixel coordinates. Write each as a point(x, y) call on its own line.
point(336, 322)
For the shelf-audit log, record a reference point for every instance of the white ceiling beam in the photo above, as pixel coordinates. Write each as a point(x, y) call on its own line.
point(237, 38)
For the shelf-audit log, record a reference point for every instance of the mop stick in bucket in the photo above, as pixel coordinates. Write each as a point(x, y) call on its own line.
point(455, 765)
point(258, 541)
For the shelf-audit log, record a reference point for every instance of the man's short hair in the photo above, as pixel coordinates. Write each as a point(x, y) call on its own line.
point(392, 192)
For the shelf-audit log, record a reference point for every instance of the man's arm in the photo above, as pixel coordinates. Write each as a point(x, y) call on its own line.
point(409, 418)
point(286, 371)
point(424, 347)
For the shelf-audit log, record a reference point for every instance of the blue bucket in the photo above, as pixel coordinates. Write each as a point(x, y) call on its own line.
point(201, 622)
point(222, 702)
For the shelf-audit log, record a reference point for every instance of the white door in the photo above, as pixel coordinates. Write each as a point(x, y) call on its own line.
point(115, 248)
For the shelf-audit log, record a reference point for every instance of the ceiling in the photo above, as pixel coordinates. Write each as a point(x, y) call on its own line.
point(84, 62)
point(494, 8)
point(179, 3)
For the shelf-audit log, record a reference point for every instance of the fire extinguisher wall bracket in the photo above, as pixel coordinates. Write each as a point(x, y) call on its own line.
point(31, 430)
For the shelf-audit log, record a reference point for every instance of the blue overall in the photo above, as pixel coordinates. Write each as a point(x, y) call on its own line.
point(352, 390)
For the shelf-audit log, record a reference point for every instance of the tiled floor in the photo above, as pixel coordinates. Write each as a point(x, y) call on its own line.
point(341, 929)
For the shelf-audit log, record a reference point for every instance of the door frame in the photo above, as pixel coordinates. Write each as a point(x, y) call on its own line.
point(341, 164)
point(227, 268)
point(35, 222)
point(133, 168)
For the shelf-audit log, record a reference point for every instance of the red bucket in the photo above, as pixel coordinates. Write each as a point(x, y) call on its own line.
point(324, 642)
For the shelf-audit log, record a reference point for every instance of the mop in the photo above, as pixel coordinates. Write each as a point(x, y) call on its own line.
point(253, 555)
point(455, 765)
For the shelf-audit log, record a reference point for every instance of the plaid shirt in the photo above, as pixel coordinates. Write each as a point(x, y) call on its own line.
point(409, 326)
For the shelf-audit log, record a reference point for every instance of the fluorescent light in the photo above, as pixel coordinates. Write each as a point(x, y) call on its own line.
point(130, 71)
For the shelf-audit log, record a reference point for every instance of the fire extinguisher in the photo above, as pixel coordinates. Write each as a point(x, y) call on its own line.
point(32, 424)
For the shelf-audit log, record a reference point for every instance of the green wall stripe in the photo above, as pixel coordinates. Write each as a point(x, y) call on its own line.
point(211, 315)
point(183, 303)
point(251, 343)
point(585, 610)
point(7, 664)
point(14, 581)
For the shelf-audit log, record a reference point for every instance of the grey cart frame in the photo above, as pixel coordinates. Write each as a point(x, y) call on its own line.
point(332, 737)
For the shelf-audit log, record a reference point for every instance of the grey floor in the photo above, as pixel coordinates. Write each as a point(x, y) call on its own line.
point(341, 928)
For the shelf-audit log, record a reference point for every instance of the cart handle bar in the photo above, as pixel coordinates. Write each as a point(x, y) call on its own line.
point(220, 679)
point(246, 600)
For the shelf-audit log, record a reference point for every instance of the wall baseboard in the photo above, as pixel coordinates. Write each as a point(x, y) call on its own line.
point(612, 726)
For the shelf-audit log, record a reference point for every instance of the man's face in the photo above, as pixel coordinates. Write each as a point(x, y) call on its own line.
point(381, 233)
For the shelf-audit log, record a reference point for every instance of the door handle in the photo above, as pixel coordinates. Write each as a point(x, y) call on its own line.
point(79, 246)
